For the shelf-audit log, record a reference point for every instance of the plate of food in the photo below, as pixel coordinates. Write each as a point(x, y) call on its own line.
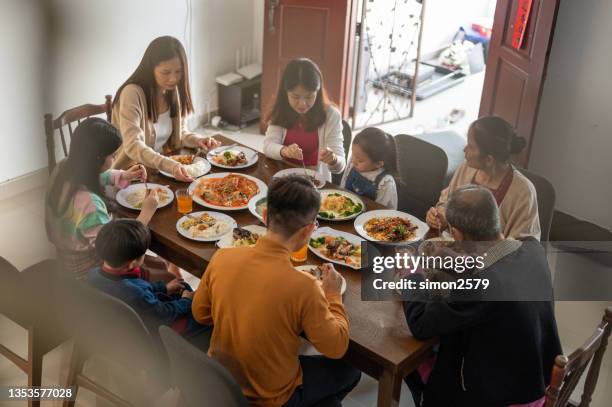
point(195, 166)
point(337, 247)
point(133, 196)
point(226, 191)
point(390, 227)
point(337, 205)
point(205, 226)
point(258, 205)
point(232, 157)
point(316, 272)
point(242, 236)
point(311, 175)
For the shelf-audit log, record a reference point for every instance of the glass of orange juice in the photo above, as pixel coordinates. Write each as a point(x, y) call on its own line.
point(184, 201)
point(300, 255)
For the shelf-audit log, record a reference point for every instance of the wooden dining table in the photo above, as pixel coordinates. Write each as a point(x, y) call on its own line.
point(381, 344)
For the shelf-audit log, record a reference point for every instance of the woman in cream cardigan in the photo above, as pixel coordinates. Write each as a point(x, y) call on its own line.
point(491, 141)
point(150, 107)
point(304, 127)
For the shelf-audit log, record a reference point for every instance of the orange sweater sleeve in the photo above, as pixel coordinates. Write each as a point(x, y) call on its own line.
point(325, 323)
point(201, 307)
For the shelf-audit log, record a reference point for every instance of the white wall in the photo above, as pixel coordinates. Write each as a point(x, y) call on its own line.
point(573, 139)
point(22, 29)
point(96, 45)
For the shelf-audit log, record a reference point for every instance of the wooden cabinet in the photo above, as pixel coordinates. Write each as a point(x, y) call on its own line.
point(239, 104)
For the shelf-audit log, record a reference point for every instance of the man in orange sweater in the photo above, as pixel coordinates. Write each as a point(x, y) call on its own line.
point(260, 305)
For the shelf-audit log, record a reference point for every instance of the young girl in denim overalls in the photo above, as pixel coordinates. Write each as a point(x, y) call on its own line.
point(373, 167)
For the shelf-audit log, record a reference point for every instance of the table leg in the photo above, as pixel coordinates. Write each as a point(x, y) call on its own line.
point(389, 389)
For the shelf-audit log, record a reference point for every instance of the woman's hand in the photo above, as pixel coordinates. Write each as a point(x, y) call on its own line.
point(180, 173)
point(292, 151)
point(327, 156)
point(208, 143)
point(436, 218)
point(137, 171)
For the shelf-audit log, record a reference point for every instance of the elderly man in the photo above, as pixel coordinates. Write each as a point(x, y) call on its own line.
point(260, 305)
point(496, 348)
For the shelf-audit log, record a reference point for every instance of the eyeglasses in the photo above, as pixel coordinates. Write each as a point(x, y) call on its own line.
point(314, 222)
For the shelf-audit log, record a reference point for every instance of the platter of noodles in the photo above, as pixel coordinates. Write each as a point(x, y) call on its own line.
point(337, 205)
point(390, 227)
point(205, 226)
point(313, 176)
point(336, 247)
point(316, 272)
point(195, 166)
point(234, 157)
point(246, 236)
point(133, 196)
point(226, 191)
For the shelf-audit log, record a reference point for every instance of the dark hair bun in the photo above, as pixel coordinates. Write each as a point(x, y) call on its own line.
point(517, 144)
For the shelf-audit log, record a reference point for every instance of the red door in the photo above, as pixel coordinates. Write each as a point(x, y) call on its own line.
point(321, 30)
point(514, 78)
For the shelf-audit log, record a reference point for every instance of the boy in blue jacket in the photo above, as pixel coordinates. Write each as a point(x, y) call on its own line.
point(121, 245)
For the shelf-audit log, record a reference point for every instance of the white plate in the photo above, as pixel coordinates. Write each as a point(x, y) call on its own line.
point(196, 159)
point(227, 241)
point(353, 197)
point(300, 171)
point(306, 267)
point(253, 205)
point(356, 240)
point(217, 215)
point(389, 213)
point(251, 155)
point(122, 194)
point(263, 189)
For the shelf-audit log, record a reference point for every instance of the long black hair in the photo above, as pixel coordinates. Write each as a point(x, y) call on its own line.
point(379, 146)
point(300, 72)
point(496, 137)
point(93, 140)
point(159, 50)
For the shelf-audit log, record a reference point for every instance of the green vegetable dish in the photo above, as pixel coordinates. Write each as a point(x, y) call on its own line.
point(338, 206)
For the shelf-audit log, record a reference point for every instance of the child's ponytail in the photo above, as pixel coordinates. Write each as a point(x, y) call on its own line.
point(380, 146)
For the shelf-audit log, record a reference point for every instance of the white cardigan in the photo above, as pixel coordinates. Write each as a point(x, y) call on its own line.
point(330, 135)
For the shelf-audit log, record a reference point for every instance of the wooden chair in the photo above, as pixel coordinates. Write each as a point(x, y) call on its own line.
point(38, 318)
point(546, 201)
point(67, 119)
point(107, 327)
point(200, 379)
point(567, 370)
point(347, 138)
point(422, 169)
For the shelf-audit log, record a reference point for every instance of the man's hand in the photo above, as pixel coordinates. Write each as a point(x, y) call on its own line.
point(188, 294)
point(330, 279)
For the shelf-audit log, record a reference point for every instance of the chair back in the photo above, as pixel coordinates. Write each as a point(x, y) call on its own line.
point(567, 370)
point(546, 201)
point(11, 298)
point(105, 325)
point(422, 169)
point(347, 138)
point(65, 122)
point(200, 379)
point(452, 143)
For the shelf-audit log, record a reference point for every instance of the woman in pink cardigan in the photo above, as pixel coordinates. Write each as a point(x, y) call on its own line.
point(150, 107)
point(491, 142)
